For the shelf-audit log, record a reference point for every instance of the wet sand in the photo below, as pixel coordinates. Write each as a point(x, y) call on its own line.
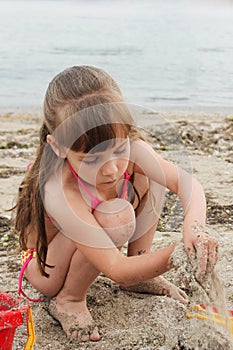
point(203, 145)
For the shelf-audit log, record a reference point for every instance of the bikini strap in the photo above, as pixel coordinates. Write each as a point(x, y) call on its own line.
point(20, 280)
point(126, 180)
point(94, 200)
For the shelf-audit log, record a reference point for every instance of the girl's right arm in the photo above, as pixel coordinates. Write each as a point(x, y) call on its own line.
point(76, 222)
point(131, 270)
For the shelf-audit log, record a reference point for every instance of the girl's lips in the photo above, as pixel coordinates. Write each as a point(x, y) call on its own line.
point(110, 182)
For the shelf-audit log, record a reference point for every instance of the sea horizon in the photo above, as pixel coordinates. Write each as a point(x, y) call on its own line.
point(170, 57)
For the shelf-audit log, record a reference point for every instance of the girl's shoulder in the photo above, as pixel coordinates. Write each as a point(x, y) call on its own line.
point(140, 147)
point(139, 152)
point(143, 150)
point(59, 193)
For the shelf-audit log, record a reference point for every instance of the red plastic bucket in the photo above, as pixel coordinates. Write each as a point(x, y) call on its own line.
point(12, 315)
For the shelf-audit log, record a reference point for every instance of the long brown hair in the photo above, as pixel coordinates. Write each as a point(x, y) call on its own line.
point(79, 88)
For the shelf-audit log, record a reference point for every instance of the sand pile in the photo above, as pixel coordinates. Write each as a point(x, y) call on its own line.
point(136, 321)
point(208, 290)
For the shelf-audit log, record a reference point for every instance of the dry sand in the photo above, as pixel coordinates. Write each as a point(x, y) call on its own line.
point(130, 320)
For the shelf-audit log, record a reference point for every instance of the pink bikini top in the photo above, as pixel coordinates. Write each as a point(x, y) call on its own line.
point(95, 201)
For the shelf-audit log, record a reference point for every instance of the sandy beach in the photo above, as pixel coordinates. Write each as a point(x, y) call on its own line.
point(204, 145)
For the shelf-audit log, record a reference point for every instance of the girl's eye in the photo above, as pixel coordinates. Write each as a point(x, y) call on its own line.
point(90, 161)
point(121, 150)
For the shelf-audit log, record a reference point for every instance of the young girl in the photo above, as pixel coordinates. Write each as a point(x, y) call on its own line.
point(96, 184)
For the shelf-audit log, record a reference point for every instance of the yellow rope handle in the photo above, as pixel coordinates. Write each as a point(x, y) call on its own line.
point(31, 332)
point(219, 319)
point(206, 312)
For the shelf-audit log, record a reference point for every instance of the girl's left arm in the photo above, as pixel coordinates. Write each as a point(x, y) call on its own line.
point(196, 240)
point(192, 198)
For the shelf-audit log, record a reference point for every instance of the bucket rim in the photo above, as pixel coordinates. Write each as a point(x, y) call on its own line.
point(15, 313)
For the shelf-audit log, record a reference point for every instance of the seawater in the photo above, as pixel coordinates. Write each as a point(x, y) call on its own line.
point(165, 54)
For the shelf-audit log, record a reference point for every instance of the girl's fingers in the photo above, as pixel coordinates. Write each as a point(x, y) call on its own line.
point(189, 248)
point(202, 251)
point(207, 254)
point(184, 297)
point(205, 249)
point(178, 294)
point(213, 255)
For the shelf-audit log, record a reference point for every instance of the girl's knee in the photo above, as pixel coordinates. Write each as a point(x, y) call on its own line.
point(117, 218)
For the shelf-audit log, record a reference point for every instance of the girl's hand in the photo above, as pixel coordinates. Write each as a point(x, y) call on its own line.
point(205, 249)
point(178, 294)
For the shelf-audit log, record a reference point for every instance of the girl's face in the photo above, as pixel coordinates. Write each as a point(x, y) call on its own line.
point(102, 169)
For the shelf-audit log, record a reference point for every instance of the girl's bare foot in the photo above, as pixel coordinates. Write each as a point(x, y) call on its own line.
point(75, 319)
point(159, 286)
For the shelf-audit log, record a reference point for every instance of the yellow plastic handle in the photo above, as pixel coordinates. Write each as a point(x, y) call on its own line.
point(219, 319)
point(31, 332)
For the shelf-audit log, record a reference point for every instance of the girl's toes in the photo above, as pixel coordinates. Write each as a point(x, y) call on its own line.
point(95, 336)
point(88, 333)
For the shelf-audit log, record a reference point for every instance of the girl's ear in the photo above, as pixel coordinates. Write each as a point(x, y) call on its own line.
point(58, 150)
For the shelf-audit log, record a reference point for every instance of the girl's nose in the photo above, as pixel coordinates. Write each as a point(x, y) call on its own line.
point(109, 168)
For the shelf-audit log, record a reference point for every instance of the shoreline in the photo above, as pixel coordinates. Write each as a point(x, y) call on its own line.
point(198, 113)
